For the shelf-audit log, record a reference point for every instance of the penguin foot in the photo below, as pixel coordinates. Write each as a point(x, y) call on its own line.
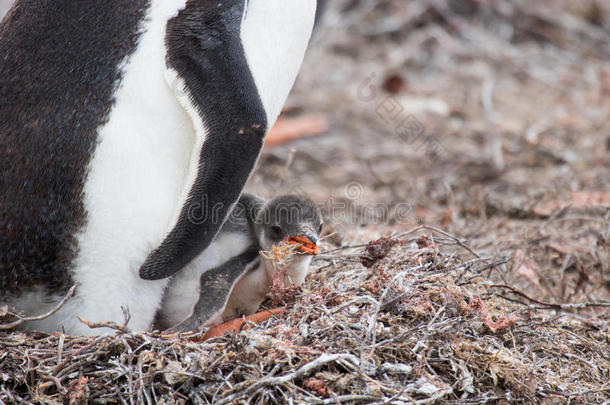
point(239, 324)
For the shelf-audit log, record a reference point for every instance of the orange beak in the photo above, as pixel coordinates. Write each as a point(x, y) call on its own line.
point(306, 245)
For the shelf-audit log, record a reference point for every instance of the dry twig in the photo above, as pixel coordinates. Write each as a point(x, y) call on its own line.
point(22, 320)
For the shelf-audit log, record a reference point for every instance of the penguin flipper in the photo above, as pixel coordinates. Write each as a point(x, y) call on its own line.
point(216, 286)
point(205, 53)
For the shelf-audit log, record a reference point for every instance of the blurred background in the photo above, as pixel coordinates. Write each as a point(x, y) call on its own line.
point(488, 119)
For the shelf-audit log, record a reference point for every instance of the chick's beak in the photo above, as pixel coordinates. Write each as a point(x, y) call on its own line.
point(308, 242)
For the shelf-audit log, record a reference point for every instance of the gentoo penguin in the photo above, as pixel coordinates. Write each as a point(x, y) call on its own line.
point(210, 290)
point(127, 132)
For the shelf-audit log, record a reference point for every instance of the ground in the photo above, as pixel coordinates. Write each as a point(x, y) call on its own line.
point(474, 137)
point(495, 128)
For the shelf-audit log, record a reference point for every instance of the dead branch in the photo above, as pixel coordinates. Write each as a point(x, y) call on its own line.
point(439, 231)
point(246, 388)
point(578, 305)
point(22, 320)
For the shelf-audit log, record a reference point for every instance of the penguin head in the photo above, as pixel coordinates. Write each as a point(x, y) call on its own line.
point(290, 218)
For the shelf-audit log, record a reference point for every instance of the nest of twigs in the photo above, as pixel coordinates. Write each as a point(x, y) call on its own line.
point(417, 323)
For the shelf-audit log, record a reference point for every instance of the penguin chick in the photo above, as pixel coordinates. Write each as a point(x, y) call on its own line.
point(286, 218)
point(230, 277)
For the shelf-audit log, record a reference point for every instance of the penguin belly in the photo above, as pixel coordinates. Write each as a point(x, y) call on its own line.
point(249, 293)
point(251, 289)
point(133, 190)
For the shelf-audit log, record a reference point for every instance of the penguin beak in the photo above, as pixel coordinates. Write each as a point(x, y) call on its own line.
point(308, 242)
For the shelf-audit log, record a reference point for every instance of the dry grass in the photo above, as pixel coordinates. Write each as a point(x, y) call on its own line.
point(421, 323)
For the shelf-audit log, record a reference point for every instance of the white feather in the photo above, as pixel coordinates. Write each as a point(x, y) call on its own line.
point(275, 34)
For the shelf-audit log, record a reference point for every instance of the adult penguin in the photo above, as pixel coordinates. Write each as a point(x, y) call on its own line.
point(128, 130)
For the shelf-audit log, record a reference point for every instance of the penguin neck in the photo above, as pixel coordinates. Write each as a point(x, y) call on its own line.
point(294, 272)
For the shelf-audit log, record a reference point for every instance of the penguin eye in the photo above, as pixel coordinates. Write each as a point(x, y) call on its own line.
point(276, 232)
